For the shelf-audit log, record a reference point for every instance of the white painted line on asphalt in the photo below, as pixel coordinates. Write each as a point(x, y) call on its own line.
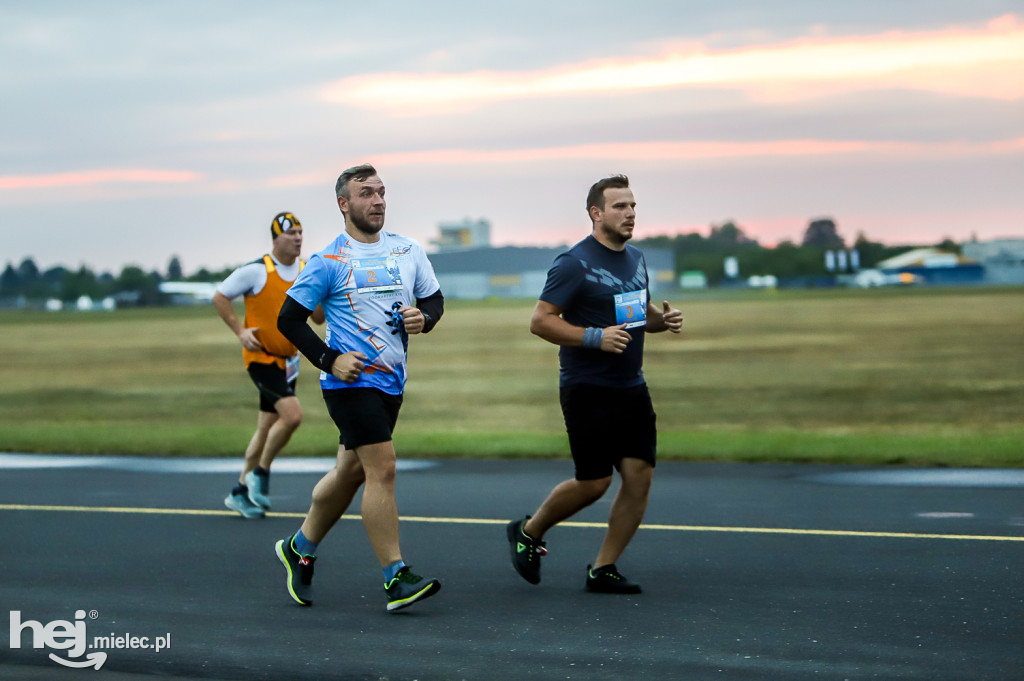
point(925, 477)
point(941, 515)
point(142, 464)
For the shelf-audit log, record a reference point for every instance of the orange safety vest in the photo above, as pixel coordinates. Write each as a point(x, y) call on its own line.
point(261, 311)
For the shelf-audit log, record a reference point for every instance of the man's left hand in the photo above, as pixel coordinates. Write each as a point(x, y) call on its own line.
point(413, 318)
point(672, 317)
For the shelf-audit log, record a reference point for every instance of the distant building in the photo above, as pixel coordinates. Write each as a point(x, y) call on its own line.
point(520, 272)
point(692, 279)
point(1003, 259)
point(188, 292)
point(934, 266)
point(461, 236)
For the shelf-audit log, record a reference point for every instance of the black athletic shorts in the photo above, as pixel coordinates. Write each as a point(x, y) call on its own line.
point(270, 379)
point(606, 425)
point(364, 416)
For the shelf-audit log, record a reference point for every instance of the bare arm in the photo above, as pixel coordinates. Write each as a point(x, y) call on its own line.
point(547, 323)
point(247, 337)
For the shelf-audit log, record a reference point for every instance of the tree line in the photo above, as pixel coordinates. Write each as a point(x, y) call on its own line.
point(786, 260)
point(132, 286)
point(693, 252)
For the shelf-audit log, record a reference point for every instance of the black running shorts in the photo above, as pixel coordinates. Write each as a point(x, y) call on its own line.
point(364, 416)
point(606, 425)
point(270, 379)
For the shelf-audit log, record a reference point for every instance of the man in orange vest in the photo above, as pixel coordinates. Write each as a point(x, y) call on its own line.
point(270, 358)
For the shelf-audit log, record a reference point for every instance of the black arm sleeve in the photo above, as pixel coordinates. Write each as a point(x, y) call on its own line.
point(291, 322)
point(432, 308)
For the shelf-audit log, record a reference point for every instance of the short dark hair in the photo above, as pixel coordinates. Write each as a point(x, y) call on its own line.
point(358, 173)
point(595, 197)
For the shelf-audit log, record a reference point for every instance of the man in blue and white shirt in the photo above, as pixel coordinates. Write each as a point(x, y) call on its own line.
point(377, 289)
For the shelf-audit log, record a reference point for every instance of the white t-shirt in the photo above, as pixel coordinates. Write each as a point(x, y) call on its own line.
point(249, 279)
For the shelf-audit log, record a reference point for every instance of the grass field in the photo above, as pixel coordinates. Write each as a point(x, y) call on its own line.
point(886, 376)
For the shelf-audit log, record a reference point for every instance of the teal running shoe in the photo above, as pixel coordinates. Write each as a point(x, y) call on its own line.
point(259, 489)
point(242, 504)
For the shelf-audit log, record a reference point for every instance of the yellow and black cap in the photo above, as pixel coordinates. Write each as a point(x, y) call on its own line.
point(282, 223)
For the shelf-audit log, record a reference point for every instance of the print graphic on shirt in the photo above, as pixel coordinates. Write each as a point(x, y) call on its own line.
point(603, 276)
point(341, 256)
point(374, 361)
point(359, 286)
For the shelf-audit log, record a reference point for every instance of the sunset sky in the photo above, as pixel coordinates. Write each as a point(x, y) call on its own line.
point(137, 131)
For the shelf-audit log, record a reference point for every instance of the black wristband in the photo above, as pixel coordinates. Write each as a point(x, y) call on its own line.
point(432, 308)
point(326, 360)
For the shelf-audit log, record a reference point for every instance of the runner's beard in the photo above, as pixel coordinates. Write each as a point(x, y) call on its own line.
point(363, 225)
point(616, 236)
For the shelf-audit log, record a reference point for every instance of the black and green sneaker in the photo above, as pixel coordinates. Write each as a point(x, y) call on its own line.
point(607, 580)
point(526, 551)
point(407, 588)
point(300, 571)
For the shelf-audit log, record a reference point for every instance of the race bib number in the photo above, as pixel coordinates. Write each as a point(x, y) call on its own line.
point(631, 308)
point(376, 274)
point(291, 369)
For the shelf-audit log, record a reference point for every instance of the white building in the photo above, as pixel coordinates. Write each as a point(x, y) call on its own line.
point(520, 272)
point(189, 291)
point(461, 236)
point(1003, 259)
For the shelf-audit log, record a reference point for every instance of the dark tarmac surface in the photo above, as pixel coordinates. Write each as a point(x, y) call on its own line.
point(749, 572)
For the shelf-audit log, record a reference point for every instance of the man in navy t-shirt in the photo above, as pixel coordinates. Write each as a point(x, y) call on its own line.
point(596, 307)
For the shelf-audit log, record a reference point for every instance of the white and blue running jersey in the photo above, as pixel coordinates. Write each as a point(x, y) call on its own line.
point(361, 287)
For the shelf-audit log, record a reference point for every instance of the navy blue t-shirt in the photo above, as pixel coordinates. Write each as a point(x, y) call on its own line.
point(596, 286)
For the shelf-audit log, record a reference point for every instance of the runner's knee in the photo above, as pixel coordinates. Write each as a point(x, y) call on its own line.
point(289, 412)
point(594, 489)
point(637, 476)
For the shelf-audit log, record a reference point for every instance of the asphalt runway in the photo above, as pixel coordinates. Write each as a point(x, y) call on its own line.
point(749, 572)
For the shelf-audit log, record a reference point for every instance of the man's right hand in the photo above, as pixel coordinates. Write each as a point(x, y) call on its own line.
point(348, 366)
point(615, 339)
point(249, 340)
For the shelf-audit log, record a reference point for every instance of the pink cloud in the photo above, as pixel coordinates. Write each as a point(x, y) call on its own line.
point(981, 62)
point(672, 151)
point(97, 177)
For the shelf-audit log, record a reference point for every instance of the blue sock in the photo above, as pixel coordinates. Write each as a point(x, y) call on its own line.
point(303, 545)
point(391, 570)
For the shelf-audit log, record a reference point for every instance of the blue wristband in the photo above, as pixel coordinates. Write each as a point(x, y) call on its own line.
point(592, 338)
